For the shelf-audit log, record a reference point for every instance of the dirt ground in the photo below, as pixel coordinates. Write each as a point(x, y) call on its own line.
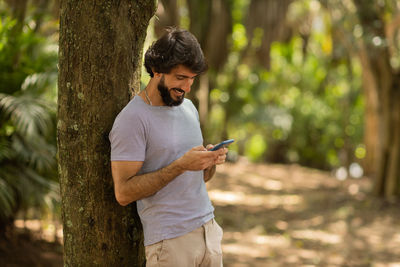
point(27, 249)
point(278, 215)
point(287, 215)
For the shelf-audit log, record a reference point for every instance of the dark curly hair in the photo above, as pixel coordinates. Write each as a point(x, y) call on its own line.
point(176, 47)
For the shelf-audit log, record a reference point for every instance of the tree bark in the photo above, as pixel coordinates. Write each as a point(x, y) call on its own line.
point(100, 50)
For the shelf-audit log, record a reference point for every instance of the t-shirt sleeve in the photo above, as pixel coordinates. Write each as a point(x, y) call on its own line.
point(194, 110)
point(127, 138)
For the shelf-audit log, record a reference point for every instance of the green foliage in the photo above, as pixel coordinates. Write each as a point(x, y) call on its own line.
point(307, 108)
point(322, 105)
point(28, 173)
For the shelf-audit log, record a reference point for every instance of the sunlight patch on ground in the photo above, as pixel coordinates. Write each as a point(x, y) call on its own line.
point(46, 230)
point(273, 241)
point(396, 238)
point(267, 201)
point(373, 235)
point(242, 249)
point(260, 181)
point(253, 245)
point(317, 235)
point(308, 254)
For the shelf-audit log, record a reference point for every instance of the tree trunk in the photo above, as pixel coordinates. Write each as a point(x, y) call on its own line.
point(167, 14)
point(266, 23)
point(371, 133)
point(18, 10)
point(388, 81)
point(100, 50)
point(211, 23)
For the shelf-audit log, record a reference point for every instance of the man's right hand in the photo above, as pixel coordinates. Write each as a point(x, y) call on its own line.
point(197, 159)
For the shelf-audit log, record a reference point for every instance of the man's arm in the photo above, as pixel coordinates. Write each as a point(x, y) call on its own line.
point(130, 187)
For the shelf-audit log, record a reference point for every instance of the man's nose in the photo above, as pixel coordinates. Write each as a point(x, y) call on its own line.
point(187, 85)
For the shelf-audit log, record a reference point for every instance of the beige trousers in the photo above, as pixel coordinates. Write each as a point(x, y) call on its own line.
point(201, 247)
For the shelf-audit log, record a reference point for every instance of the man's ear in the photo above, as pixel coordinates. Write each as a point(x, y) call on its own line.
point(156, 74)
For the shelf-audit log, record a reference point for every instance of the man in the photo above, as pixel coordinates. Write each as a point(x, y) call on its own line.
point(158, 159)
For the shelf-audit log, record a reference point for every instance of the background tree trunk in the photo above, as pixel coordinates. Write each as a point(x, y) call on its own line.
point(100, 50)
point(211, 23)
point(266, 23)
point(388, 91)
point(371, 121)
point(167, 15)
point(18, 9)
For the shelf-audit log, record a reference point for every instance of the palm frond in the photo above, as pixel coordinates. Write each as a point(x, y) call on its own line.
point(7, 199)
point(6, 151)
point(38, 83)
point(35, 151)
point(23, 185)
point(27, 114)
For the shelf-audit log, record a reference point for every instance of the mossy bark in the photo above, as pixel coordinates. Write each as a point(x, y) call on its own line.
point(101, 46)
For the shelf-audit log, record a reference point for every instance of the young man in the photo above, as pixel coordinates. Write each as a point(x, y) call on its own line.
point(158, 159)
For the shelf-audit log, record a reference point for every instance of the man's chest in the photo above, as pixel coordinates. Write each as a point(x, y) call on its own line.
point(173, 135)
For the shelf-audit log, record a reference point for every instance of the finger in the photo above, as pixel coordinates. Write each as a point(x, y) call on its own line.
point(199, 148)
point(220, 161)
point(222, 151)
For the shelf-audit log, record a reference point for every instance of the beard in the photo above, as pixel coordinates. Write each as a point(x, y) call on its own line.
point(165, 94)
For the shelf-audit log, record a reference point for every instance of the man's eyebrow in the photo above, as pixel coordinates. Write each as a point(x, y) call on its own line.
point(185, 76)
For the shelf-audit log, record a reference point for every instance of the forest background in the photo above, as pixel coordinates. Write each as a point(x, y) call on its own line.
point(307, 82)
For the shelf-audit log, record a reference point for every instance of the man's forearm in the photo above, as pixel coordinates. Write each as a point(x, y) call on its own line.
point(140, 186)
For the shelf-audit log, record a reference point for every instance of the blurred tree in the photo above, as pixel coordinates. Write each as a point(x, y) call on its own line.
point(100, 53)
point(266, 23)
point(167, 15)
point(211, 23)
point(348, 46)
point(374, 18)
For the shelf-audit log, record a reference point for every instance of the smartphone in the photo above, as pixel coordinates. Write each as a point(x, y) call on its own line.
point(222, 144)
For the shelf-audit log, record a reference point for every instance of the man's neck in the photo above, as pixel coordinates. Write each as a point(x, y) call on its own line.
point(151, 95)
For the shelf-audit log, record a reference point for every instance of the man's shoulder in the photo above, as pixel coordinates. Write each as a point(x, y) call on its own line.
point(133, 110)
point(187, 103)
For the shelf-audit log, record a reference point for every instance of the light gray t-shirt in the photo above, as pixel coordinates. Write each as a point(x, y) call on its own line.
point(158, 135)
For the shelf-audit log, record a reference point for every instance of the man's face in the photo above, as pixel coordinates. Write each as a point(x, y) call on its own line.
point(174, 85)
